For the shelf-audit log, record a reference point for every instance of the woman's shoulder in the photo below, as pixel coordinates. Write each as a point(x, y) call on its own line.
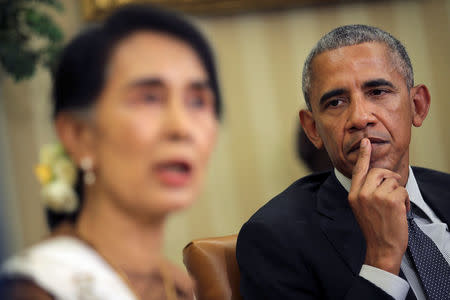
point(35, 270)
point(49, 253)
point(19, 274)
point(65, 267)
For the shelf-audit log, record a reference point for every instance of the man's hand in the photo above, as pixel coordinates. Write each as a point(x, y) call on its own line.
point(380, 205)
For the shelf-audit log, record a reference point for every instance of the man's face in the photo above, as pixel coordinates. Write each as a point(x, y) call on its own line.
point(356, 92)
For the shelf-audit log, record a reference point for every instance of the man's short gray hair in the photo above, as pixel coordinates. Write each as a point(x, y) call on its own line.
point(350, 35)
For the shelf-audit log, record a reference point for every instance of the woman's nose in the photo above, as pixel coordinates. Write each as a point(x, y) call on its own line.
point(177, 125)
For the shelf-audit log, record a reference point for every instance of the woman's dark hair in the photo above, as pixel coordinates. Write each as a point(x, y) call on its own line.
point(80, 75)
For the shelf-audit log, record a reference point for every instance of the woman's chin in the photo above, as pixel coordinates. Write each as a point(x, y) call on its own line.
point(172, 201)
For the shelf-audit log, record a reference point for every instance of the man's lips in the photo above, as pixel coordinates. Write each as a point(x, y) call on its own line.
point(373, 141)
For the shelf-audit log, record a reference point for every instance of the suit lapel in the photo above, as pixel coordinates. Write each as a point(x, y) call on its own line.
point(339, 225)
point(435, 193)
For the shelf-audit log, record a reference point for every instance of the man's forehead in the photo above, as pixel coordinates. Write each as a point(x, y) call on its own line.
point(351, 66)
point(366, 57)
point(347, 54)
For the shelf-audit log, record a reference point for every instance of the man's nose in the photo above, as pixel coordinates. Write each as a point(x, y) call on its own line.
point(360, 114)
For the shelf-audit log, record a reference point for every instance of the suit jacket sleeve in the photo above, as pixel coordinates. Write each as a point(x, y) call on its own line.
point(272, 267)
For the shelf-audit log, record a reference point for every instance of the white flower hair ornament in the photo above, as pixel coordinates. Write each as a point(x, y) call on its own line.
point(57, 174)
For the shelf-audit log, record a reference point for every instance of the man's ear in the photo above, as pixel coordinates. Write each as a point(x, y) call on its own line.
point(420, 103)
point(76, 135)
point(309, 126)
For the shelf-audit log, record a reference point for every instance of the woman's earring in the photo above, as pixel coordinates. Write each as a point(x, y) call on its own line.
point(86, 165)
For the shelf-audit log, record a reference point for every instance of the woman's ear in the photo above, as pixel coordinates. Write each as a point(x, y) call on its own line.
point(309, 126)
point(76, 135)
point(420, 104)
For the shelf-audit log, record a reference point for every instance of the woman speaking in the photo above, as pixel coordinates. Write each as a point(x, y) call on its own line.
point(136, 109)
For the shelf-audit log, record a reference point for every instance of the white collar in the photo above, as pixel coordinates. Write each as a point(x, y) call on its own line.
point(411, 187)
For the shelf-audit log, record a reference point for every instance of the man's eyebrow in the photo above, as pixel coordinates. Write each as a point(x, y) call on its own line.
point(377, 82)
point(331, 94)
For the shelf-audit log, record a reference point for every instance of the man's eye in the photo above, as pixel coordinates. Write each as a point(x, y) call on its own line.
point(334, 103)
point(378, 92)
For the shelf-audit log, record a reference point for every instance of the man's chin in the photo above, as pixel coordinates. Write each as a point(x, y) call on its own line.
point(380, 165)
point(348, 170)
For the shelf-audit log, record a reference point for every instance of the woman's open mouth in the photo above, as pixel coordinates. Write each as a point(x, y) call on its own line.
point(175, 173)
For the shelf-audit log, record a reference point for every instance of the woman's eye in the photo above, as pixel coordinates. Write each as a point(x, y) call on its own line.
point(197, 102)
point(200, 102)
point(150, 97)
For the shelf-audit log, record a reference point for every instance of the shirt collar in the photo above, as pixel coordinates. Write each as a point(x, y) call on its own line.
point(343, 180)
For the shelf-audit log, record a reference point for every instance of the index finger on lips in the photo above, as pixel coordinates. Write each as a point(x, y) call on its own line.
point(362, 164)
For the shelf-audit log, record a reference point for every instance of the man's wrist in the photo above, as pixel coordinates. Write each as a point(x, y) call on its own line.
point(391, 284)
point(388, 262)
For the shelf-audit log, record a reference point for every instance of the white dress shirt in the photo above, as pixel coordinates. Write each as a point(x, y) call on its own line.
point(429, 223)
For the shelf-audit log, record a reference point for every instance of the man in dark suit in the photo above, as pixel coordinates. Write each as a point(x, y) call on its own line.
point(353, 233)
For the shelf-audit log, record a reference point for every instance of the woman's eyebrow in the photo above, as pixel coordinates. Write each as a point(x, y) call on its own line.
point(151, 81)
point(200, 84)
